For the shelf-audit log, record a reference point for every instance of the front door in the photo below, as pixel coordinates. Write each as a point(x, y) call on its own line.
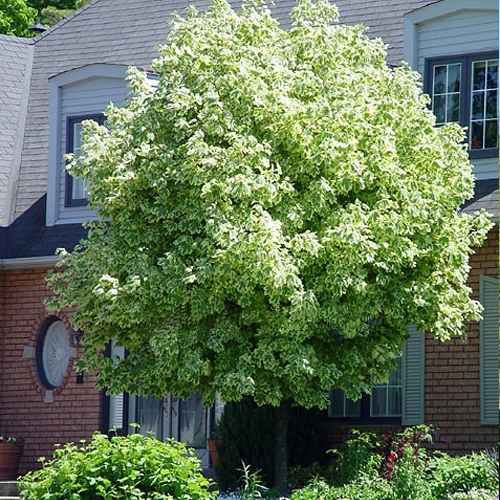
point(184, 420)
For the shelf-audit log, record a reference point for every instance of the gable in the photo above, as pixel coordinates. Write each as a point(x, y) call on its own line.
point(450, 27)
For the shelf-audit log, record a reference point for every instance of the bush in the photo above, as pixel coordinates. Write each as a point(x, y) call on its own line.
point(458, 474)
point(356, 456)
point(398, 467)
point(367, 487)
point(129, 467)
point(473, 494)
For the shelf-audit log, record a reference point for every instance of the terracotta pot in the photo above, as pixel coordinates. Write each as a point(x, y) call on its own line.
point(10, 455)
point(213, 450)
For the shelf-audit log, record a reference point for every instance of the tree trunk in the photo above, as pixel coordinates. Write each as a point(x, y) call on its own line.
point(281, 448)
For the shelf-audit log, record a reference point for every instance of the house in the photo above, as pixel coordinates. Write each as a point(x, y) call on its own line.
point(49, 84)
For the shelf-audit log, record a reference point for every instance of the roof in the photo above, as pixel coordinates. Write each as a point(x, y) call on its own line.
point(485, 197)
point(119, 32)
point(383, 18)
point(15, 59)
point(28, 236)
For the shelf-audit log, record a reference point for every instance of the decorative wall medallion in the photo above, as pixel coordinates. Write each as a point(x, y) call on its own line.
point(53, 353)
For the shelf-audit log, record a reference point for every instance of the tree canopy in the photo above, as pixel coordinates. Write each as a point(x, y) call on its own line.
point(16, 17)
point(273, 215)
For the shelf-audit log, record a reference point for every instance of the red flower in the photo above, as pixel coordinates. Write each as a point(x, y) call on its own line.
point(392, 457)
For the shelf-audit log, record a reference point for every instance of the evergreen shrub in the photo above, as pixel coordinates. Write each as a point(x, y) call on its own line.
point(247, 435)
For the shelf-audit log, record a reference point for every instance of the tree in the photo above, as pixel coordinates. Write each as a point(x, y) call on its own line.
point(50, 12)
point(16, 17)
point(273, 216)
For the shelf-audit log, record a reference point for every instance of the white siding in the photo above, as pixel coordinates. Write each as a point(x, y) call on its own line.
point(87, 97)
point(459, 33)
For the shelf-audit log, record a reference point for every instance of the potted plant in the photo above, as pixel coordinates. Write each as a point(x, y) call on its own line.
point(11, 449)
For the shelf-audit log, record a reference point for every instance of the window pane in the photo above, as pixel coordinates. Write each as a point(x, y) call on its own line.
point(492, 104)
point(193, 421)
point(478, 105)
point(439, 86)
point(453, 108)
point(440, 108)
point(492, 78)
point(476, 141)
point(79, 189)
point(353, 408)
point(79, 186)
point(378, 402)
point(337, 403)
point(343, 407)
point(149, 415)
point(77, 139)
point(394, 402)
point(395, 376)
point(491, 136)
point(479, 75)
point(484, 105)
point(454, 78)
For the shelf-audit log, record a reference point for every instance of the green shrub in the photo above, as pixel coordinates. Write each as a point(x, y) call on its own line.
point(356, 456)
point(366, 487)
point(473, 494)
point(300, 476)
point(458, 474)
point(131, 467)
point(409, 480)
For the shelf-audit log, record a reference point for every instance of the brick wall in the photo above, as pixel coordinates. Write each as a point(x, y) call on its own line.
point(452, 373)
point(74, 412)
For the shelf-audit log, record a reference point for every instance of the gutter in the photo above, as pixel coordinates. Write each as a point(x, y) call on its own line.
point(29, 263)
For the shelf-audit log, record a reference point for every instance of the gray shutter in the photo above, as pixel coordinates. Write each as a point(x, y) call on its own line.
point(488, 345)
point(413, 378)
point(116, 401)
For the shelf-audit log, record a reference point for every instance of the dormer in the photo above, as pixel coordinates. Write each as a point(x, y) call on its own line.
point(76, 95)
point(454, 45)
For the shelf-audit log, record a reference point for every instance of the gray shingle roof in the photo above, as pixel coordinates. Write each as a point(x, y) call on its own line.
point(383, 18)
point(14, 81)
point(485, 197)
point(123, 32)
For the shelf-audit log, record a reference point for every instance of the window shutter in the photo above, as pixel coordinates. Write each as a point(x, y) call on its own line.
point(488, 346)
point(413, 378)
point(116, 401)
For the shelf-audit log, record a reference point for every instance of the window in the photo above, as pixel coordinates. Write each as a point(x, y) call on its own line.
point(465, 90)
point(52, 353)
point(76, 189)
point(384, 402)
point(399, 401)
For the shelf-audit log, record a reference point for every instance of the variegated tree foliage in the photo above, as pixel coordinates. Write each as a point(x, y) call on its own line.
point(277, 212)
